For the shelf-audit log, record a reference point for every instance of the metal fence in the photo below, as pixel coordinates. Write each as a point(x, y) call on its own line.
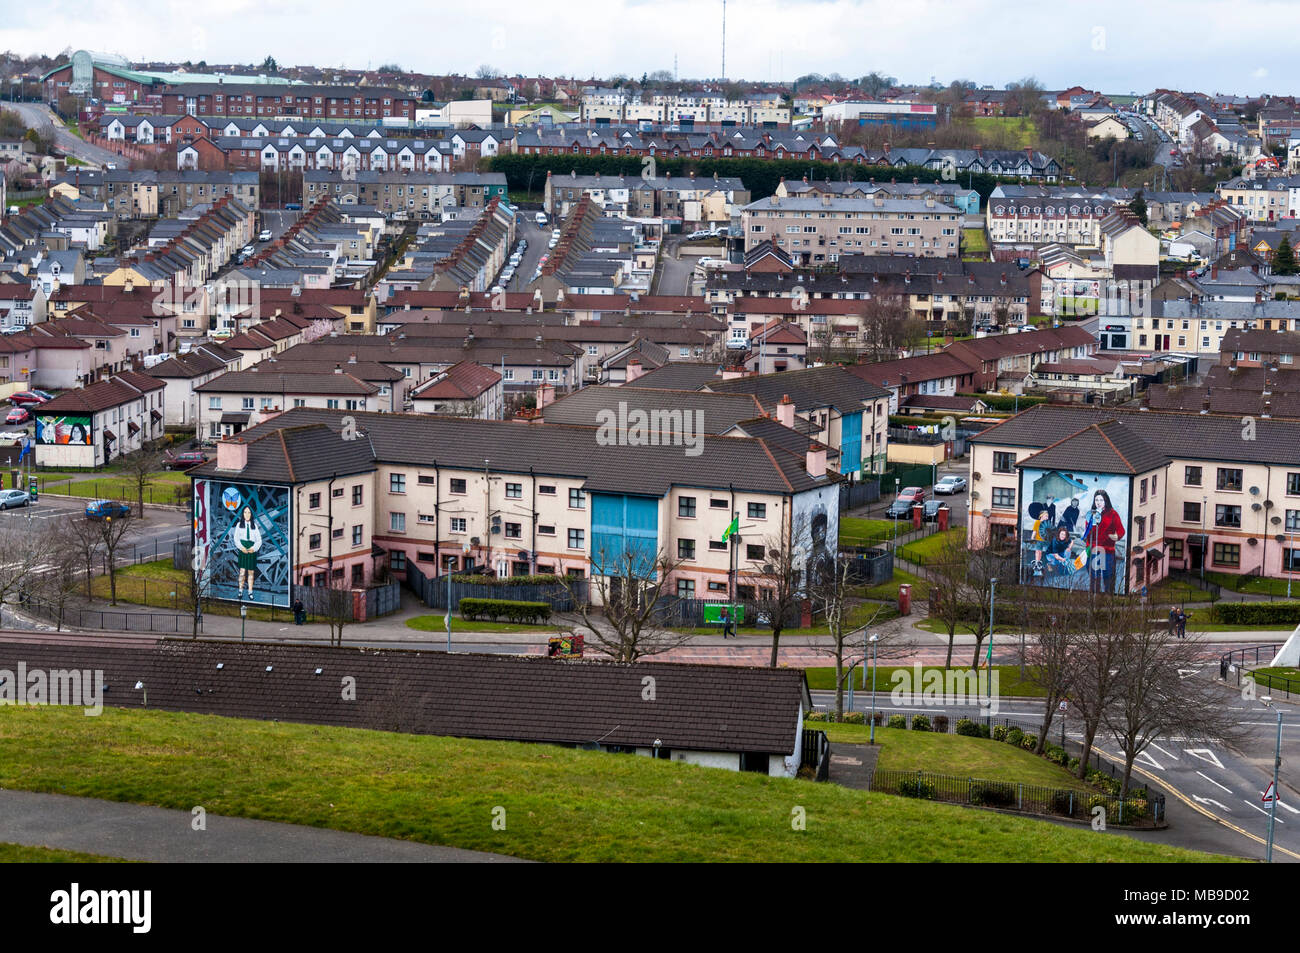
point(869, 567)
point(433, 590)
point(1234, 662)
point(115, 620)
point(854, 495)
point(1141, 807)
point(816, 753)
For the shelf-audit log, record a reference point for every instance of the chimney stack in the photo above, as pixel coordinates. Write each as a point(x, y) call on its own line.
point(816, 460)
point(634, 369)
point(785, 412)
point(232, 455)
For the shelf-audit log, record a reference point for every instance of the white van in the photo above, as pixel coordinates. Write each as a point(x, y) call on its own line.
point(540, 219)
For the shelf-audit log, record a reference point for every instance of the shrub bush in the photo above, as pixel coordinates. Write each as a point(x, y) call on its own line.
point(984, 731)
point(967, 728)
point(1029, 742)
point(1014, 736)
point(999, 732)
point(897, 721)
point(1257, 613)
point(815, 716)
point(993, 793)
point(1135, 809)
point(941, 723)
point(920, 723)
point(855, 718)
point(878, 718)
point(505, 609)
point(916, 787)
point(1064, 802)
point(545, 580)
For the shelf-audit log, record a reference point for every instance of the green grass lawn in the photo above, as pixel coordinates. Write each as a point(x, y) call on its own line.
point(560, 804)
point(22, 854)
point(159, 585)
point(857, 531)
point(974, 241)
point(906, 750)
point(1282, 678)
point(926, 550)
point(1011, 132)
point(1009, 683)
point(889, 590)
point(161, 489)
point(1256, 585)
point(435, 623)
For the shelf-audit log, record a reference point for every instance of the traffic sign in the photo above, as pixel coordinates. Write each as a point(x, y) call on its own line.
point(1268, 793)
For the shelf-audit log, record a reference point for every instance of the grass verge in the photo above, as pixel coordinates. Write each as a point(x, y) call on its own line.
point(560, 804)
point(1009, 682)
point(22, 854)
point(435, 623)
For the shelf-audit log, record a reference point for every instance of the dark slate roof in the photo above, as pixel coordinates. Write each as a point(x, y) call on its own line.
point(285, 378)
point(808, 388)
point(292, 455)
point(677, 375)
point(548, 449)
point(1107, 447)
point(494, 697)
point(719, 412)
point(1177, 435)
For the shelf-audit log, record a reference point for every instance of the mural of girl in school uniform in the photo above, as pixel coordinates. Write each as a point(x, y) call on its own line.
point(245, 541)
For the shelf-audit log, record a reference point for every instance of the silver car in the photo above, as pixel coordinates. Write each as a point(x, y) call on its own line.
point(11, 498)
point(950, 484)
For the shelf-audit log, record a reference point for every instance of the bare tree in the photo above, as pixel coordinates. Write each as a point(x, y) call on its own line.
point(1157, 693)
point(778, 580)
point(633, 598)
point(140, 468)
point(949, 601)
point(983, 570)
point(84, 542)
point(1049, 620)
point(113, 531)
point(1095, 653)
point(335, 607)
point(67, 550)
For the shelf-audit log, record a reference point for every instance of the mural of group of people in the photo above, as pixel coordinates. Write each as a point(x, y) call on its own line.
point(1072, 530)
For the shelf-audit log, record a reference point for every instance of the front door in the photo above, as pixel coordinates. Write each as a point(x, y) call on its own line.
point(1196, 556)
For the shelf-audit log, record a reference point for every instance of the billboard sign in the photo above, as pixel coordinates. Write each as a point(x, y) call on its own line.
point(242, 541)
point(73, 429)
point(1074, 529)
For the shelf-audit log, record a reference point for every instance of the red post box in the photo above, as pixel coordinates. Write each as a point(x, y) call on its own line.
point(942, 517)
point(904, 599)
point(918, 514)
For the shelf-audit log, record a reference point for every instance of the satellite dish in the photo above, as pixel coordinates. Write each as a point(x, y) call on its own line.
point(986, 513)
point(1254, 491)
point(1253, 541)
point(1256, 507)
point(1275, 520)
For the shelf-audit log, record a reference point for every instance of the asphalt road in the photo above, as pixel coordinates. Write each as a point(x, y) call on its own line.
point(537, 239)
point(154, 534)
point(39, 116)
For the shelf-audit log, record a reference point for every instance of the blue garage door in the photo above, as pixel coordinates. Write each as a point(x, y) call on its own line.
point(851, 443)
point(623, 528)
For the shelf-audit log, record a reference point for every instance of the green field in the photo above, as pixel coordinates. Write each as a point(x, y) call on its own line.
point(559, 804)
point(1009, 683)
point(857, 531)
point(926, 550)
point(161, 586)
point(1004, 132)
point(974, 241)
point(1283, 678)
point(906, 750)
point(22, 854)
point(1252, 585)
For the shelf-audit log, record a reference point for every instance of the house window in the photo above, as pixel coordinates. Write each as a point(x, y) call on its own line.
point(1229, 478)
point(356, 535)
point(1004, 498)
point(1293, 484)
point(545, 490)
point(576, 499)
point(358, 493)
point(313, 541)
point(397, 483)
point(1142, 491)
point(1175, 549)
point(757, 511)
point(1227, 516)
point(1227, 554)
point(1003, 463)
point(313, 501)
point(248, 403)
point(514, 531)
point(686, 549)
point(397, 522)
point(337, 493)
point(716, 504)
point(576, 538)
point(1192, 476)
point(458, 524)
point(754, 552)
point(514, 491)
point(1292, 521)
point(457, 486)
point(214, 403)
point(1191, 512)
point(1141, 522)
point(1291, 560)
point(397, 560)
point(686, 506)
point(545, 529)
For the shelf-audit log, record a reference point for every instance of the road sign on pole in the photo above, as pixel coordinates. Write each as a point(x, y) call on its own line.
point(1268, 794)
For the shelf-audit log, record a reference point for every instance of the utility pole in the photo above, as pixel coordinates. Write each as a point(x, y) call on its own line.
point(724, 40)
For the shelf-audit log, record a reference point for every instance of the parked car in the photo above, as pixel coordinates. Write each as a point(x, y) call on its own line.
point(930, 510)
point(293, 207)
point(950, 484)
point(19, 415)
point(264, 235)
point(540, 219)
point(183, 461)
point(11, 498)
point(28, 398)
point(100, 509)
point(903, 503)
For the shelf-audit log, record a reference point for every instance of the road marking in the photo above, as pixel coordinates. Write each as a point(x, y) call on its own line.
point(1185, 672)
point(1209, 800)
point(1205, 754)
point(1264, 812)
point(1143, 755)
point(1168, 754)
point(1286, 806)
point(1214, 782)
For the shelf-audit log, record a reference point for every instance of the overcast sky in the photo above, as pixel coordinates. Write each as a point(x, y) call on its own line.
point(1113, 45)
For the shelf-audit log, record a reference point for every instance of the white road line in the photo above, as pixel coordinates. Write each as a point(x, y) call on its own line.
point(1214, 782)
point(1262, 811)
point(1209, 800)
point(1145, 756)
point(1287, 807)
point(1205, 754)
point(1168, 754)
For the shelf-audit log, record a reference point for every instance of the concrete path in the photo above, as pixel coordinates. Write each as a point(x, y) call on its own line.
point(161, 835)
point(853, 765)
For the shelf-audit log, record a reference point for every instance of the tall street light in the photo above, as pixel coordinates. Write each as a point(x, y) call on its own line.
point(1277, 763)
point(873, 640)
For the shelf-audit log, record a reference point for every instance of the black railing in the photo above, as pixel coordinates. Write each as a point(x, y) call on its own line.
point(1140, 807)
point(1232, 662)
point(816, 753)
point(112, 620)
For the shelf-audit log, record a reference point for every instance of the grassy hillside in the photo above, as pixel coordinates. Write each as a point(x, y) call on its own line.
point(560, 804)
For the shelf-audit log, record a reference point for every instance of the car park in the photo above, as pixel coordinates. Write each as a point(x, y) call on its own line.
point(106, 509)
point(930, 510)
point(12, 498)
point(950, 484)
point(903, 503)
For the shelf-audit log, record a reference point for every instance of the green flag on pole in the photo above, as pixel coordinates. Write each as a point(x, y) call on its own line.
point(732, 527)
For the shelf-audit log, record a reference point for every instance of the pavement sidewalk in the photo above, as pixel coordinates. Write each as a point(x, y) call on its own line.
point(161, 835)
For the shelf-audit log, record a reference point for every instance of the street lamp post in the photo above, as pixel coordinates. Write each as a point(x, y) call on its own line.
point(873, 640)
point(988, 715)
point(1277, 763)
point(243, 617)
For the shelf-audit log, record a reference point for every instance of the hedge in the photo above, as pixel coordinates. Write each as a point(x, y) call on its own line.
point(1258, 613)
point(546, 580)
point(498, 609)
point(1006, 401)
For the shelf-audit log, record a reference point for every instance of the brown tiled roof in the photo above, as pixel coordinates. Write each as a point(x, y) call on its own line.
point(719, 412)
point(1107, 447)
point(282, 378)
point(808, 388)
point(103, 395)
point(492, 697)
point(994, 346)
point(463, 381)
point(910, 370)
point(1264, 342)
point(678, 375)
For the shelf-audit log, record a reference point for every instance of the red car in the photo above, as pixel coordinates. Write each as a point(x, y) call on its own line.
point(19, 415)
point(28, 398)
point(184, 461)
